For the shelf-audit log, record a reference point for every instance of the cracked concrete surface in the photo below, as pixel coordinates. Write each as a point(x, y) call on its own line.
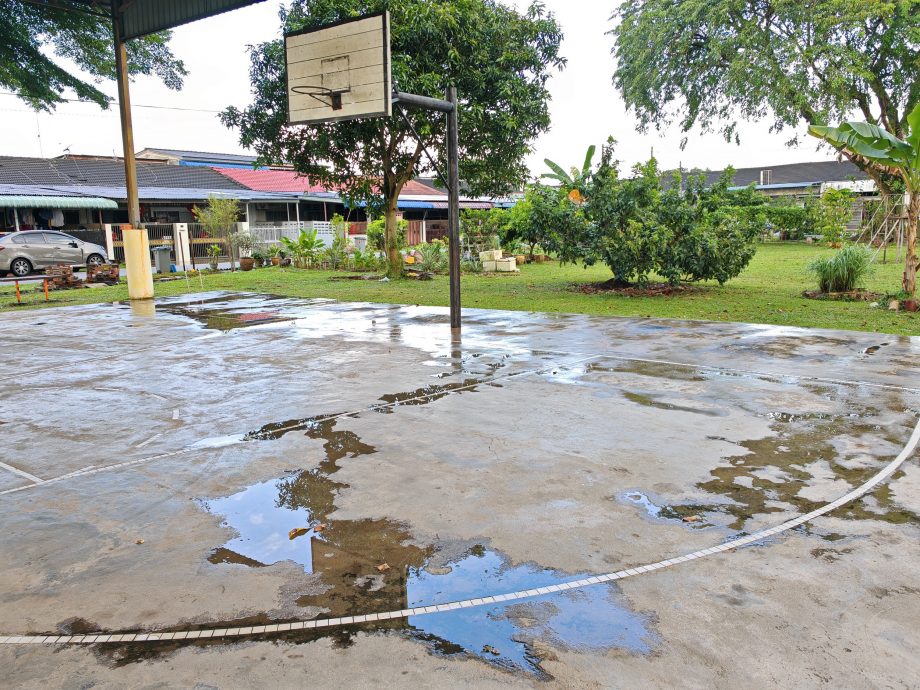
point(520, 440)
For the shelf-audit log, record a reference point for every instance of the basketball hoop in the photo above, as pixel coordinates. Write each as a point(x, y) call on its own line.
point(322, 94)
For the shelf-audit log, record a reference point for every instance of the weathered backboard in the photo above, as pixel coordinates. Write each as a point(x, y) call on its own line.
point(339, 71)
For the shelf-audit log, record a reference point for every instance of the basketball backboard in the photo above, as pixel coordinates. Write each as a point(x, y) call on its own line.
point(339, 71)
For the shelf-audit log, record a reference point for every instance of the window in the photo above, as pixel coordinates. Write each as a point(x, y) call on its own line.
point(28, 238)
point(57, 238)
point(766, 177)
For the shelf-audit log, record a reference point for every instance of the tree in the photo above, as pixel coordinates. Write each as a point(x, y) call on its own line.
point(29, 32)
point(499, 59)
point(898, 157)
point(712, 62)
point(688, 230)
point(219, 218)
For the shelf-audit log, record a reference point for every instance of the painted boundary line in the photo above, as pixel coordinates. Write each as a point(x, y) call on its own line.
point(222, 633)
point(286, 429)
point(461, 389)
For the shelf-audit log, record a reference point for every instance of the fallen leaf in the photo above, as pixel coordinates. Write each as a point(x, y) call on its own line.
point(298, 532)
point(489, 649)
point(320, 527)
point(138, 541)
point(383, 567)
point(692, 518)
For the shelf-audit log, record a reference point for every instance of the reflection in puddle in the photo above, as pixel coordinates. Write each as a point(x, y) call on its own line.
point(513, 635)
point(371, 566)
point(688, 513)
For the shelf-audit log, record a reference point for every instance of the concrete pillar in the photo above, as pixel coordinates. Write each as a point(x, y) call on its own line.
point(183, 247)
point(137, 262)
point(109, 242)
point(424, 231)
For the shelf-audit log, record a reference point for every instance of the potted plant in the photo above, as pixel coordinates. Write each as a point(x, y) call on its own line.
point(259, 257)
point(274, 253)
point(214, 252)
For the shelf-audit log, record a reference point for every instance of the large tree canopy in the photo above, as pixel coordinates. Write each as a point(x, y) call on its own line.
point(29, 32)
point(712, 62)
point(499, 60)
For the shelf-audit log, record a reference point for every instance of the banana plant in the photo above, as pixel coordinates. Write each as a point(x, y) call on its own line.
point(304, 249)
point(898, 157)
point(577, 179)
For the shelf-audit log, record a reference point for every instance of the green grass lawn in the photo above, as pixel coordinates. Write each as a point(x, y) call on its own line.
point(769, 291)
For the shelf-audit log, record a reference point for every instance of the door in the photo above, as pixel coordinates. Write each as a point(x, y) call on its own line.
point(67, 249)
point(32, 246)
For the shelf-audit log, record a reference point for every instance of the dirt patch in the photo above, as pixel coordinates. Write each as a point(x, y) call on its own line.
point(614, 287)
point(851, 296)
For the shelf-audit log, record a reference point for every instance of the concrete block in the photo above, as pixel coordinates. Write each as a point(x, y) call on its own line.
point(490, 255)
point(506, 265)
point(488, 266)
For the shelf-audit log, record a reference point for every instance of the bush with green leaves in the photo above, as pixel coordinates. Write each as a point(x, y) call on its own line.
point(376, 234)
point(689, 231)
point(831, 212)
point(304, 250)
point(844, 271)
point(336, 253)
point(793, 222)
point(481, 227)
point(433, 258)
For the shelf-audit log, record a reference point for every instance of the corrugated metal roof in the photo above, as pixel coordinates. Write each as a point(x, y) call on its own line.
point(142, 17)
point(68, 202)
point(272, 180)
point(204, 157)
point(150, 194)
point(108, 173)
point(798, 174)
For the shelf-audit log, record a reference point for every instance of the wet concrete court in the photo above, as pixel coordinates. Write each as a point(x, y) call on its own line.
point(226, 462)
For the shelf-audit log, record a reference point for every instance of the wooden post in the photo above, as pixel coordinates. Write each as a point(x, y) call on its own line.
point(124, 110)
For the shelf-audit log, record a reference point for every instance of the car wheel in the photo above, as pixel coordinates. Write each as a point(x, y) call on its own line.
point(20, 267)
point(94, 260)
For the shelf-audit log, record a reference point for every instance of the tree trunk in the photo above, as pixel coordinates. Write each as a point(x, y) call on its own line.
point(909, 283)
point(394, 257)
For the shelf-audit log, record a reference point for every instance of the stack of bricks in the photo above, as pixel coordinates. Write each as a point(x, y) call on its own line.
point(103, 273)
point(62, 278)
point(493, 261)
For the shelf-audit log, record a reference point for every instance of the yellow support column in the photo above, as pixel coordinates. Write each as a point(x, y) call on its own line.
point(137, 262)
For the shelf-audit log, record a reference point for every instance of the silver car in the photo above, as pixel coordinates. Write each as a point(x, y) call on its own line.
point(23, 252)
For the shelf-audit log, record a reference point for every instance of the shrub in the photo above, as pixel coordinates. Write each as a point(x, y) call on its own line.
point(792, 222)
point(434, 258)
point(376, 234)
point(844, 271)
point(691, 230)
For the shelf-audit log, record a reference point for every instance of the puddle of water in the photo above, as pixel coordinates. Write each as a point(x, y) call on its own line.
point(373, 565)
point(219, 441)
point(512, 635)
point(652, 401)
point(665, 512)
point(263, 520)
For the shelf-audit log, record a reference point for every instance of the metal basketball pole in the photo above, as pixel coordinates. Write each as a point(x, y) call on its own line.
point(453, 206)
point(450, 108)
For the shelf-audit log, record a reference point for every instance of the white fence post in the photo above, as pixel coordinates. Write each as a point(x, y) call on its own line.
point(109, 241)
point(182, 247)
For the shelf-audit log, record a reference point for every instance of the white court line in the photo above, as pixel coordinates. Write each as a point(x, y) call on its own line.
point(150, 440)
point(292, 427)
point(22, 473)
point(249, 631)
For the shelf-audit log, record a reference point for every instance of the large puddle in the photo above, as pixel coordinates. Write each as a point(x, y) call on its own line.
point(369, 566)
point(373, 566)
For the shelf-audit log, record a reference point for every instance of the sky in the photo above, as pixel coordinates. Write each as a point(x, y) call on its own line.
point(585, 107)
